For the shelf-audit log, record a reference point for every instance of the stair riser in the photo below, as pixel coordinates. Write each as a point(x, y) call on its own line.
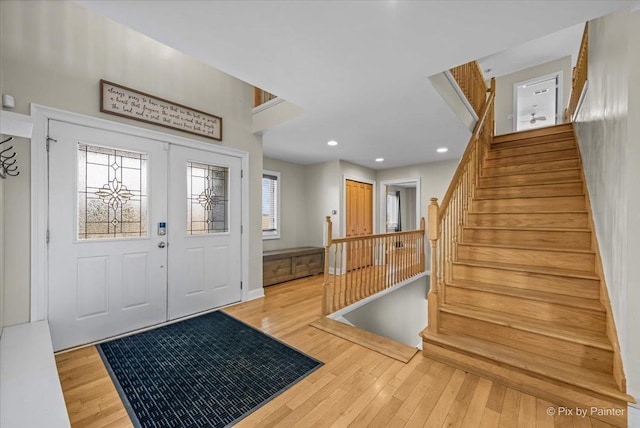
point(528, 257)
point(537, 157)
point(531, 238)
point(562, 350)
point(549, 177)
point(569, 286)
point(531, 137)
point(529, 205)
point(564, 189)
point(531, 149)
point(552, 220)
point(548, 390)
point(544, 311)
point(531, 167)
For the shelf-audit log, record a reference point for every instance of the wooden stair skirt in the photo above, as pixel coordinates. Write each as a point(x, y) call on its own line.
point(524, 301)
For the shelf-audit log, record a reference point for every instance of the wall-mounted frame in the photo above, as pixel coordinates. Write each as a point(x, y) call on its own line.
point(126, 102)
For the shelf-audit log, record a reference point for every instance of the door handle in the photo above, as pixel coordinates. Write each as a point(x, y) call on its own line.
point(161, 245)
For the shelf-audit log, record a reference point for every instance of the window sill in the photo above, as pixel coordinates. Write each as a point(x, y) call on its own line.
point(274, 236)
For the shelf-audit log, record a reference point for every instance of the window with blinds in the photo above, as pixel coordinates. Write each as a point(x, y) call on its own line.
point(270, 204)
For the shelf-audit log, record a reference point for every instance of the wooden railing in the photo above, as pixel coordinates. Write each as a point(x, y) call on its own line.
point(446, 221)
point(260, 97)
point(360, 266)
point(579, 76)
point(471, 80)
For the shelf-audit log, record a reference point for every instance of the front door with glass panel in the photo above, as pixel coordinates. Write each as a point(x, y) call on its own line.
point(204, 235)
point(113, 267)
point(107, 272)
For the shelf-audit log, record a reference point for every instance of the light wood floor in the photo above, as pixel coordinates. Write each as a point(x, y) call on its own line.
point(356, 386)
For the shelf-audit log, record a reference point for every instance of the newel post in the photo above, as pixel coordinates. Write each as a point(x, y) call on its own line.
point(433, 232)
point(326, 295)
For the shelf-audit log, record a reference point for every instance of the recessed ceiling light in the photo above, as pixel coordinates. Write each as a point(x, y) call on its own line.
point(332, 143)
point(379, 159)
point(442, 150)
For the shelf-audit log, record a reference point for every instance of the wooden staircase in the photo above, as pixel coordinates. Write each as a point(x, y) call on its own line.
point(522, 298)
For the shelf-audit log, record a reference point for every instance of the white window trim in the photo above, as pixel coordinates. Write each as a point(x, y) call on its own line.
point(276, 234)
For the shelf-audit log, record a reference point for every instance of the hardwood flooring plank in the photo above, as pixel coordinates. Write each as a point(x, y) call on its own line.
point(356, 387)
point(510, 409)
point(527, 414)
point(544, 419)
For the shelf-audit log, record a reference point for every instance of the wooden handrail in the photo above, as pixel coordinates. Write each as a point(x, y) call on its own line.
point(579, 75)
point(370, 237)
point(357, 267)
point(447, 220)
point(261, 96)
point(488, 108)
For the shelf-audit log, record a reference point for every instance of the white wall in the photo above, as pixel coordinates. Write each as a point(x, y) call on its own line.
point(608, 132)
point(55, 53)
point(323, 184)
point(293, 213)
point(504, 89)
point(400, 315)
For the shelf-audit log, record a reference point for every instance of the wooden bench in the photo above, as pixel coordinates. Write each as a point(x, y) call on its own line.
point(291, 263)
point(30, 391)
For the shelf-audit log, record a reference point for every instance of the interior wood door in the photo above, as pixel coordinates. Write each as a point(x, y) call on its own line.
point(359, 221)
point(107, 272)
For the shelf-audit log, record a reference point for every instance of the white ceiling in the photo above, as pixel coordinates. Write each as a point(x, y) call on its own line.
point(358, 68)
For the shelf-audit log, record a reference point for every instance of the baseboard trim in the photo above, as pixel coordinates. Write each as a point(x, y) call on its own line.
point(255, 294)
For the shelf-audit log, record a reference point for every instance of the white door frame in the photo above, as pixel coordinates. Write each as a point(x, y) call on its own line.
point(382, 206)
point(559, 95)
point(40, 185)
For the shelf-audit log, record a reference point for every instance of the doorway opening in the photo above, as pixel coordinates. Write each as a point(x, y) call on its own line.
point(538, 102)
point(400, 205)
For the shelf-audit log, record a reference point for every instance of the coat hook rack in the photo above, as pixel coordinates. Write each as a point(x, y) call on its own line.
point(8, 160)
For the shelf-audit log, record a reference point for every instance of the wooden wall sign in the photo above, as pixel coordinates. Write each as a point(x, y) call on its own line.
point(126, 102)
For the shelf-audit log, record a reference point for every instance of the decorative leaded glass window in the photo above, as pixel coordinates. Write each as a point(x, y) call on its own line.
point(207, 198)
point(112, 193)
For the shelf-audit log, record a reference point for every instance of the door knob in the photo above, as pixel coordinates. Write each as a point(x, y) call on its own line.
point(161, 245)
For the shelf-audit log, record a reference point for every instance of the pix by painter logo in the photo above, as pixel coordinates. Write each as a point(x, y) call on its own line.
point(584, 412)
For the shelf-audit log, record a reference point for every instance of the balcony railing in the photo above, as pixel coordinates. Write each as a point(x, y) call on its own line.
point(260, 97)
point(471, 81)
point(579, 76)
point(360, 266)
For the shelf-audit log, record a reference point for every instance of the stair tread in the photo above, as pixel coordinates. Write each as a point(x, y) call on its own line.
point(531, 229)
point(523, 293)
point(532, 143)
point(591, 380)
point(556, 181)
point(498, 197)
point(523, 247)
point(532, 184)
point(532, 269)
point(554, 129)
point(500, 152)
point(537, 212)
point(596, 339)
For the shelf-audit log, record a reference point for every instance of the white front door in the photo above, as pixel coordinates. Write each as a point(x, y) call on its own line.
point(111, 270)
point(204, 230)
point(107, 274)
